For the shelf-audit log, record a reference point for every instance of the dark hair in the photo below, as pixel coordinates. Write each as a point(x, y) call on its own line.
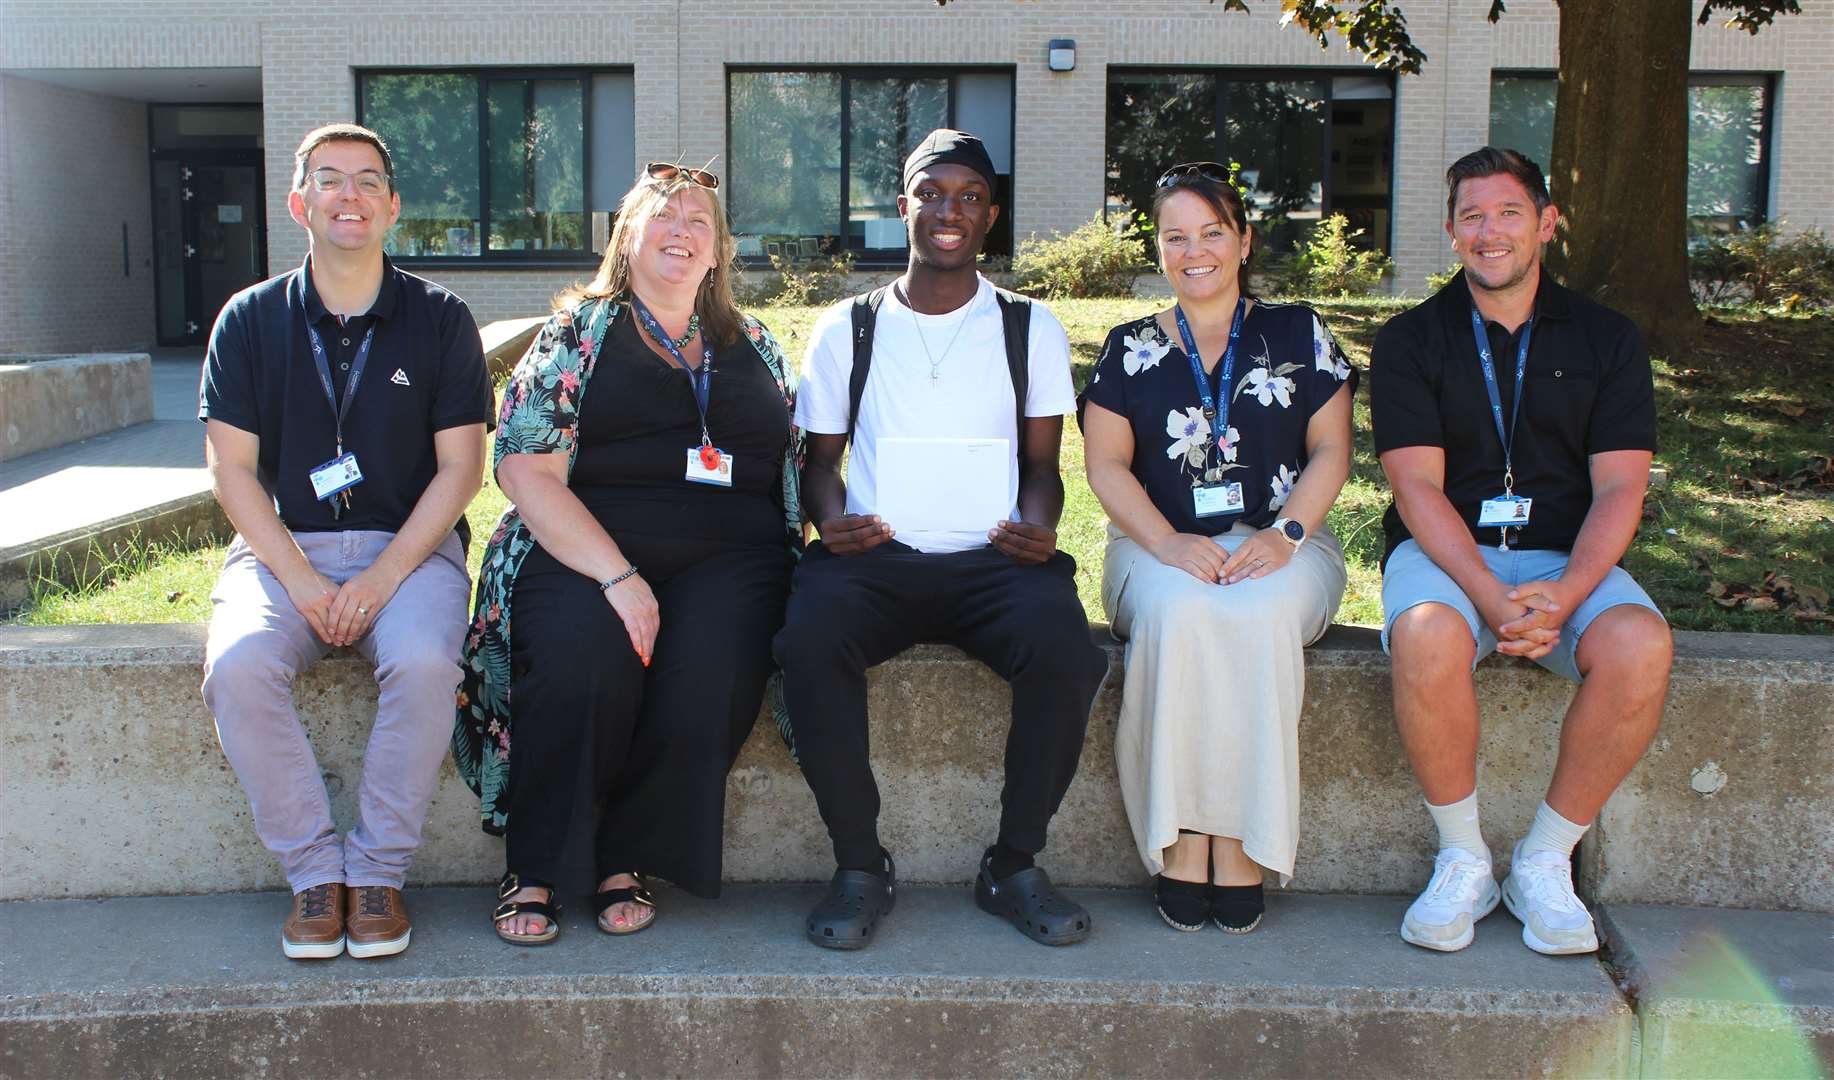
point(1492, 161)
point(1226, 201)
point(340, 132)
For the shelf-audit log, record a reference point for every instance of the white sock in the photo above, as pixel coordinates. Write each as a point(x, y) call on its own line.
point(1457, 823)
point(1551, 832)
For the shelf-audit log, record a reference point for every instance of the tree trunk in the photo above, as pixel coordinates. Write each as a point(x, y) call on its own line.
point(1620, 167)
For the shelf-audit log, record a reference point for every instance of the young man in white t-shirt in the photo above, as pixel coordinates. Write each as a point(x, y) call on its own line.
point(1002, 592)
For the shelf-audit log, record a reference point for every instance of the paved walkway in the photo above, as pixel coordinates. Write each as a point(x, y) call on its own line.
point(84, 484)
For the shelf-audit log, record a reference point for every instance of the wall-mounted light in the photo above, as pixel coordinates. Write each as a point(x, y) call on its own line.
point(1061, 54)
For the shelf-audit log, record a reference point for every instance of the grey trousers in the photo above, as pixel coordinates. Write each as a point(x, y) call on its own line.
point(259, 642)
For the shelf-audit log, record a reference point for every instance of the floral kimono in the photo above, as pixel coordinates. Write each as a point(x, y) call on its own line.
point(540, 413)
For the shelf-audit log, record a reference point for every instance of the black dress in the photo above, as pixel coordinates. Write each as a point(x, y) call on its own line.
point(636, 758)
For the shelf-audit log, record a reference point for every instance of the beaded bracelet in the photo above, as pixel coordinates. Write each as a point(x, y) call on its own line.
point(608, 583)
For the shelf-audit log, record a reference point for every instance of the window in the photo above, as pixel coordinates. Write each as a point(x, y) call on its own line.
point(510, 165)
point(818, 155)
point(1728, 139)
point(1309, 144)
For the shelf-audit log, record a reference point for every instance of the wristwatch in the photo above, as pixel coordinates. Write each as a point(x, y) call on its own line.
point(1291, 530)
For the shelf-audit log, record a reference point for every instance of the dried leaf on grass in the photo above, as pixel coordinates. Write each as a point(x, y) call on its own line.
point(1775, 592)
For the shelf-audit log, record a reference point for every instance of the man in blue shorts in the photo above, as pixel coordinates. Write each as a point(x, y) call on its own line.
point(1516, 421)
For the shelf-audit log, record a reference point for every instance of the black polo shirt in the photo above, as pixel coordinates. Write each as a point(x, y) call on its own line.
point(425, 373)
point(1587, 391)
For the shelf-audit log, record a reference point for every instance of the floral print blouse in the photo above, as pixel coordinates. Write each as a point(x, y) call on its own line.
point(1287, 366)
point(539, 415)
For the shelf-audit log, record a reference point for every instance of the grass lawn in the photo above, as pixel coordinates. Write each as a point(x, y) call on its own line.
point(1739, 537)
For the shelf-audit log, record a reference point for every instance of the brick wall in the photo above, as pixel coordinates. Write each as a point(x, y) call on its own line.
point(73, 170)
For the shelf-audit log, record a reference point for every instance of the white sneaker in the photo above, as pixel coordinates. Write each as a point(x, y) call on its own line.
point(1462, 892)
point(1539, 891)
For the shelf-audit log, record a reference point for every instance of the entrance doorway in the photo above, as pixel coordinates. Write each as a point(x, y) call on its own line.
point(209, 228)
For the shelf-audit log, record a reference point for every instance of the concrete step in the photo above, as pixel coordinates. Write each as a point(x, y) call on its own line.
point(115, 784)
point(197, 987)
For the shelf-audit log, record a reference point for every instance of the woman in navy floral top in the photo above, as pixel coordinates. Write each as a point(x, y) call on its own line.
point(1216, 472)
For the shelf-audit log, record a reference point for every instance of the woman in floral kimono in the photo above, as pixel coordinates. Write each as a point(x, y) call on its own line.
point(1218, 435)
point(646, 443)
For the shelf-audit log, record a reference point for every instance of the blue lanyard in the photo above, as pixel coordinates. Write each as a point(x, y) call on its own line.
point(1507, 435)
point(1216, 405)
point(323, 363)
point(701, 380)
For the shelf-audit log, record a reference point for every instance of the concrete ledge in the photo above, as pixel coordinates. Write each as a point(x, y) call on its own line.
point(50, 402)
point(114, 783)
point(730, 988)
point(83, 555)
point(505, 341)
point(1727, 993)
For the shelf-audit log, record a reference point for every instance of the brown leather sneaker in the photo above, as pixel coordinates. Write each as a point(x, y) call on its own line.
point(315, 930)
point(378, 921)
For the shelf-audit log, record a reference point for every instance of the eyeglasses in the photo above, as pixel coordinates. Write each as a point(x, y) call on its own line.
point(1207, 170)
point(327, 180)
point(668, 170)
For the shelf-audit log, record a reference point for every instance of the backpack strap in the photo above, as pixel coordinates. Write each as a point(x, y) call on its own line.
point(1016, 321)
point(864, 314)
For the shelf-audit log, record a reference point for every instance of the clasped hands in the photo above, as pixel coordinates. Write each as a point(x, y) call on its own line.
point(1527, 619)
point(341, 615)
point(1258, 556)
point(1020, 541)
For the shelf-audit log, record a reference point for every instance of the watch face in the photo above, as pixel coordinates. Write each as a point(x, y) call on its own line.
point(1294, 531)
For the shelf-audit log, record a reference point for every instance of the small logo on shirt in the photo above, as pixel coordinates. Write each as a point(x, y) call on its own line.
point(399, 378)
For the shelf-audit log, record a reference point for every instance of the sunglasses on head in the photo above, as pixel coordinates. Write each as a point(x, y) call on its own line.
point(1207, 170)
point(666, 171)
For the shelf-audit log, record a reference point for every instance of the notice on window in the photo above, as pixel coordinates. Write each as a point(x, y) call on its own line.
point(229, 213)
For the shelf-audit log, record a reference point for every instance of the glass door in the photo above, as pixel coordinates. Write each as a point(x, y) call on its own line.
point(211, 237)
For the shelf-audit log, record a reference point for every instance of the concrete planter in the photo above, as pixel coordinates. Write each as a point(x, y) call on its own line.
point(50, 402)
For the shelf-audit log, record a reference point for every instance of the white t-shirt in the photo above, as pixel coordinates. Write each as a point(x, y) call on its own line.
point(972, 398)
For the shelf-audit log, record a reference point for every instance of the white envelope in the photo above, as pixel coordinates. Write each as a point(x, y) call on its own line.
point(943, 485)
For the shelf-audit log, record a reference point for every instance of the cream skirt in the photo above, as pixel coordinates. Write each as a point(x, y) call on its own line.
point(1208, 735)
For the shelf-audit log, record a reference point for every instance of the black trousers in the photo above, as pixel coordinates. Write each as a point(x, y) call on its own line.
point(636, 758)
point(847, 613)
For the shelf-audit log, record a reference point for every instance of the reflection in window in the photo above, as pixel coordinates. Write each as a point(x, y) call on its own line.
point(786, 157)
point(491, 165)
point(890, 117)
point(1522, 115)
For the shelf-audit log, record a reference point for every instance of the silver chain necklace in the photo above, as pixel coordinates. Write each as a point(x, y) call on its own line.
point(936, 361)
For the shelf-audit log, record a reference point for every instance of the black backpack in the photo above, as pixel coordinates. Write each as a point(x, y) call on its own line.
point(1015, 320)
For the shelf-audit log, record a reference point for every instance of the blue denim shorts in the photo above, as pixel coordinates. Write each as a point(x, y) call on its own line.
point(1412, 578)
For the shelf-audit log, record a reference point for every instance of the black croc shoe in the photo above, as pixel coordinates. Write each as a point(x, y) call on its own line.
point(847, 917)
point(1237, 909)
point(1031, 903)
point(1184, 905)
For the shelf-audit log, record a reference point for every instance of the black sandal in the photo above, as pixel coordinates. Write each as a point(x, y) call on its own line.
point(857, 899)
point(1237, 909)
point(1184, 905)
point(1032, 904)
point(509, 886)
point(630, 894)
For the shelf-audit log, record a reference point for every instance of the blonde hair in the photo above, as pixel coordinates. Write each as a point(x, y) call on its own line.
point(720, 318)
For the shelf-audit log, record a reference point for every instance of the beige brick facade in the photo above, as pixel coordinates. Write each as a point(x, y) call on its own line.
point(679, 53)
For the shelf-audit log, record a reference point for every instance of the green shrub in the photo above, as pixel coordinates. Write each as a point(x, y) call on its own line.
point(800, 281)
point(1436, 282)
point(1764, 266)
point(1327, 263)
point(1096, 260)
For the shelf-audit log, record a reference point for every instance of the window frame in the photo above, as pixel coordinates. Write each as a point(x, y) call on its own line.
point(485, 75)
point(1328, 74)
point(869, 258)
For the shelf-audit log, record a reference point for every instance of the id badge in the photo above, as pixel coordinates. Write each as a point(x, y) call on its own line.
point(709, 465)
point(338, 474)
point(1212, 500)
point(1511, 510)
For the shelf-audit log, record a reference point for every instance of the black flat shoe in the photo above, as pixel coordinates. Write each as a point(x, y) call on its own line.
point(1184, 905)
point(857, 899)
point(1032, 904)
point(1237, 909)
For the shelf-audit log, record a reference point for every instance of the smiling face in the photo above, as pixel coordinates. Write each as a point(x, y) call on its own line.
point(1497, 232)
point(344, 218)
point(947, 210)
point(1200, 250)
point(678, 245)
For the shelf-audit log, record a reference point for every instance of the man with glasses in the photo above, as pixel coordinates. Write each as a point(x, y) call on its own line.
point(345, 405)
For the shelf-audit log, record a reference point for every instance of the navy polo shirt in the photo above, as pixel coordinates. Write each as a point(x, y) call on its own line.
point(425, 373)
point(1587, 390)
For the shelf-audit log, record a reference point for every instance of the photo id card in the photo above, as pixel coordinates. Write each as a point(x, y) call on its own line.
point(709, 465)
point(336, 475)
point(1504, 510)
point(1224, 497)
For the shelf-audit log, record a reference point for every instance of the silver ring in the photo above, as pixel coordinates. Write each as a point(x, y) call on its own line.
point(362, 611)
